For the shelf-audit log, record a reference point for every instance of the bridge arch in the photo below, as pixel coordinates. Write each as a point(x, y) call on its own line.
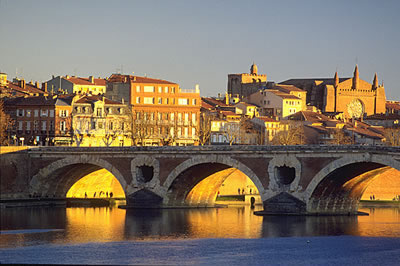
point(58, 177)
point(177, 185)
point(338, 187)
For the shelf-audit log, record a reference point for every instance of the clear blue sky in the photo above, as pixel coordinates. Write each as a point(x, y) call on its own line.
point(191, 42)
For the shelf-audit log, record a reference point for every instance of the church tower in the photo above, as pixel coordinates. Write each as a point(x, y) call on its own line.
point(253, 69)
point(375, 84)
point(356, 79)
point(335, 85)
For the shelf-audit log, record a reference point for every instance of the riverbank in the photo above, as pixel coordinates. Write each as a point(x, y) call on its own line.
point(59, 202)
point(379, 203)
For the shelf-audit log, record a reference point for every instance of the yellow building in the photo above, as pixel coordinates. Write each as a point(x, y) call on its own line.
point(98, 121)
point(273, 102)
point(268, 127)
point(76, 85)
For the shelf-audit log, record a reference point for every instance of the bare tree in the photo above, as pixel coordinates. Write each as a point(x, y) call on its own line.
point(232, 132)
point(203, 130)
point(292, 133)
point(340, 138)
point(392, 136)
point(6, 123)
point(81, 128)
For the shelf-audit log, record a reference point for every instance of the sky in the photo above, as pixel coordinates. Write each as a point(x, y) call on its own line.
point(200, 42)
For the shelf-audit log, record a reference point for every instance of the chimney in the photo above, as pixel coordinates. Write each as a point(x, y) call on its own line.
point(37, 84)
point(67, 76)
point(44, 86)
point(197, 88)
point(91, 79)
point(22, 83)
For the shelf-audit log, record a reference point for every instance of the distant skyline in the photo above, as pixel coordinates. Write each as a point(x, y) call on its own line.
point(201, 42)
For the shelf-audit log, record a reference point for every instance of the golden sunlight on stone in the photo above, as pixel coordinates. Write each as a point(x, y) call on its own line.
point(384, 187)
point(96, 182)
point(237, 181)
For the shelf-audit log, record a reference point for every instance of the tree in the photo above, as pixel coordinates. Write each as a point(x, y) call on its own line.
point(232, 132)
point(203, 130)
point(392, 136)
point(340, 138)
point(292, 133)
point(6, 123)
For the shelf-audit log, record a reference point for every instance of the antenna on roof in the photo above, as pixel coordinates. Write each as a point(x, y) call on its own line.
point(356, 60)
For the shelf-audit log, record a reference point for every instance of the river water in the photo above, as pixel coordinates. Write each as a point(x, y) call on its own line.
point(25, 230)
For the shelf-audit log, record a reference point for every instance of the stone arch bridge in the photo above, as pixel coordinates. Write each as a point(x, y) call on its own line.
point(290, 179)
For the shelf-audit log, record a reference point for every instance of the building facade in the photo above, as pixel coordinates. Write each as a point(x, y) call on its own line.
point(76, 85)
point(242, 85)
point(40, 120)
point(352, 96)
point(163, 113)
point(98, 121)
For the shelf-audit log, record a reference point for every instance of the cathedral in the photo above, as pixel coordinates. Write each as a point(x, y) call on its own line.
point(351, 96)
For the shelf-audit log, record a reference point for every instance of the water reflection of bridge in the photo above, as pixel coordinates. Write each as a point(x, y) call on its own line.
point(290, 179)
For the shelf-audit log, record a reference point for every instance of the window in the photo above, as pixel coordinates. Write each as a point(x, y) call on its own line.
point(159, 100)
point(166, 89)
point(159, 116)
point(110, 125)
point(36, 125)
point(182, 101)
point(167, 101)
point(44, 112)
point(99, 112)
point(194, 119)
point(19, 125)
point(148, 100)
point(28, 125)
point(173, 89)
point(186, 118)
point(62, 126)
point(100, 125)
point(20, 112)
point(179, 132)
point(63, 113)
point(93, 125)
point(194, 101)
point(151, 116)
point(159, 89)
point(138, 88)
point(137, 116)
point(148, 88)
point(36, 113)
point(179, 117)
point(28, 113)
point(172, 116)
point(193, 132)
point(44, 126)
point(137, 99)
point(186, 132)
point(109, 110)
point(51, 113)
point(51, 125)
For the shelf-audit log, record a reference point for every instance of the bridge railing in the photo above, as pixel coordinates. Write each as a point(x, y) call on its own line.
point(222, 148)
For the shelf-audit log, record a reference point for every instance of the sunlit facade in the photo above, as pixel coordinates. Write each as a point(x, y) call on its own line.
point(163, 113)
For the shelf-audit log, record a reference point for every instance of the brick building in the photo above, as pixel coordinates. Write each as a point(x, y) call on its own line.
point(244, 84)
point(163, 113)
point(40, 120)
point(351, 96)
